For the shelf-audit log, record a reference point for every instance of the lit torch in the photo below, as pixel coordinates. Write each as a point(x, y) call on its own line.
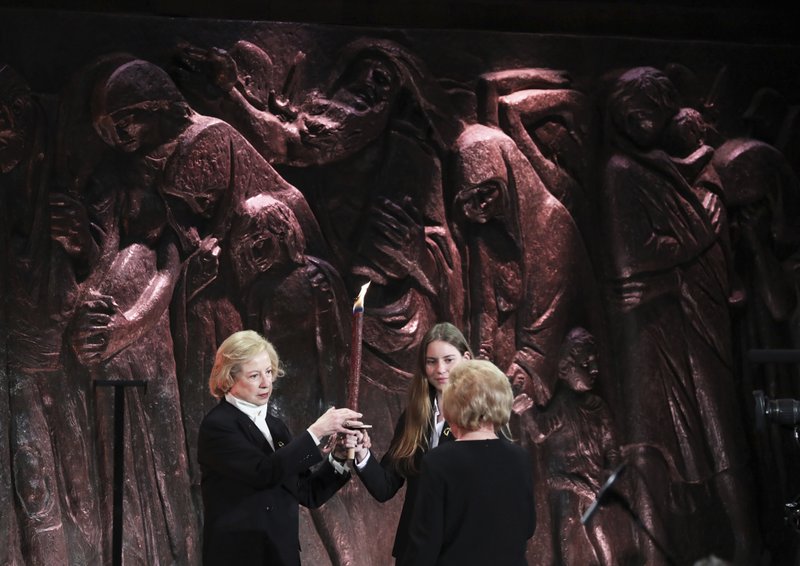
point(354, 378)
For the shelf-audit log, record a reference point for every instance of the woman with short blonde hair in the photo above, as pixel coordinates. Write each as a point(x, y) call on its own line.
point(255, 473)
point(465, 486)
point(477, 395)
point(235, 350)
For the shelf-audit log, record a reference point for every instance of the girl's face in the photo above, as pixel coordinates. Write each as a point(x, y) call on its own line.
point(253, 382)
point(440, 358)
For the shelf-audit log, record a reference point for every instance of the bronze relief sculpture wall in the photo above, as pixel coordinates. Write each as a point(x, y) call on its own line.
point(613, 222)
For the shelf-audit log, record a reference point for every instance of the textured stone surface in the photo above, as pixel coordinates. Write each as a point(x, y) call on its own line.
point(164, 182)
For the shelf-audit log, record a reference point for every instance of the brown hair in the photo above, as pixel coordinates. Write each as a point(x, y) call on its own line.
point(419, 412)
point(237, 349)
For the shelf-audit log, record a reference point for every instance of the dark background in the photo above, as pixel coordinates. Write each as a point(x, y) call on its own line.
point(742, 21)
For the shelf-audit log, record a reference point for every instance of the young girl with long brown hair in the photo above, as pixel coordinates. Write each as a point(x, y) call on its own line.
point(420, 428)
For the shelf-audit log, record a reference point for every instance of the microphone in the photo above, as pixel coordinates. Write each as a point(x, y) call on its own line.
point(605, 492)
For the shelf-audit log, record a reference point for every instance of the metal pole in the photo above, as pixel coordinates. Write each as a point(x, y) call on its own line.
point(774, 356)
point(119, 459)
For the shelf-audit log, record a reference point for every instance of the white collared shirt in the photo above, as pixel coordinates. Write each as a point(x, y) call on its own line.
point(257, 413)
point(438, 426)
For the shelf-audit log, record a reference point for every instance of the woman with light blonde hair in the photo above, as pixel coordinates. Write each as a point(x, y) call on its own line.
point(254, 472)
point(239, 348)
point(478, 400)
point(475, 501)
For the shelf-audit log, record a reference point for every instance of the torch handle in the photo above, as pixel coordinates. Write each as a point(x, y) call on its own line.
point(351, 452)
point(354, 376)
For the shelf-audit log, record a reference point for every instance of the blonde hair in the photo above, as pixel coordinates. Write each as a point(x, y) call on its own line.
point(236, 350)
point(477, 393)
point(419, 412)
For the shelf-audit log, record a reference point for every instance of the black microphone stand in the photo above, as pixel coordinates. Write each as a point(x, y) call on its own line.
point(606, 494)
point(614, 495)
point(119, 458)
